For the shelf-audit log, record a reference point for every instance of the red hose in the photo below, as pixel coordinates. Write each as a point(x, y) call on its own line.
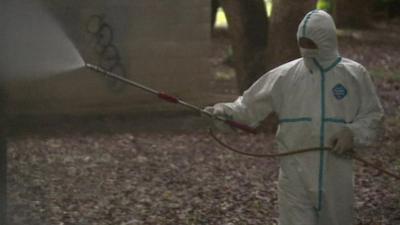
point(168, 98)
point(240, 126)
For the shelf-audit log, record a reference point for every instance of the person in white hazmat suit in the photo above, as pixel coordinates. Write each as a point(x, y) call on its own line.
point(322, 100)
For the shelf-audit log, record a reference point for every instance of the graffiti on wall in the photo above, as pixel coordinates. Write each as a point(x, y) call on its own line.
point(108, 55)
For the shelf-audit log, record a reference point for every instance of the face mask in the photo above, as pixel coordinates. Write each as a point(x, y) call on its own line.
point(309, 53)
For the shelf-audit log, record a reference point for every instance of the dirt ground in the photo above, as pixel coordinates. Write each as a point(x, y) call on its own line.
point(165, 170)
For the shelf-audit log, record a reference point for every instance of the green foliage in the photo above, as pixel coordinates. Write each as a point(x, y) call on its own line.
point(324, 5)
point(391, 7)
point(327, 5)
point(382, 4)
point(386, 1)
point(222, 22)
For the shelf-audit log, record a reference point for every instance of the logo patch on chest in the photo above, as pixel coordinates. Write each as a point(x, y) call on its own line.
point(339, 91)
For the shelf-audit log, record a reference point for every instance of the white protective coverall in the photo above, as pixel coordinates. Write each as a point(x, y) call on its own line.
point(314, 102)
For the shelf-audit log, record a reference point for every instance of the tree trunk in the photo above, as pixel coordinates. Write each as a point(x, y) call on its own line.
point(3, 157)
point(248, 26)
point(285, 19)
point(214, 10)
point(353, 14)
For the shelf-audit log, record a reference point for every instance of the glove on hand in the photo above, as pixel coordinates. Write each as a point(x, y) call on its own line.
point(342, 142)
point(215, 110)
point(218, 111)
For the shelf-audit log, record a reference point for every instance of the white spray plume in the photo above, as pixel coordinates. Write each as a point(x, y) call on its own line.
point(33, 45)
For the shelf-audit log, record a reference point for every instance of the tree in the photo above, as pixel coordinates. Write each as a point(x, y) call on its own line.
point(248, 27)
point(3, 157)
point(251, 31)
point(352, 14)
point(284, 22)
point(214, 9)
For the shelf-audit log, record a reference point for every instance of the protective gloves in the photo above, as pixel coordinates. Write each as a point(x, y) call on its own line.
point(218, 111)
point(342, 142)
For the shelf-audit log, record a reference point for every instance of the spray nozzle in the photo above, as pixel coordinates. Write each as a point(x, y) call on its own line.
point(94, 67)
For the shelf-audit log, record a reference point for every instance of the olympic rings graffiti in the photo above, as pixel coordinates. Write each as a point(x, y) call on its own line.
point(109, 57)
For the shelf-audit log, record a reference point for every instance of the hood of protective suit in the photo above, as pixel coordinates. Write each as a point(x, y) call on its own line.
point(319, 26)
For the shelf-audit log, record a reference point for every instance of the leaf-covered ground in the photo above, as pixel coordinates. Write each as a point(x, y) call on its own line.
point(164, 178)
point(119, 172)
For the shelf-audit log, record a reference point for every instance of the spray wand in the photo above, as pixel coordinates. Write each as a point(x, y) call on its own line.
point(170, 98)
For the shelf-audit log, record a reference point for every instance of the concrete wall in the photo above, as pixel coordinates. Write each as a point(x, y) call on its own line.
point(163, 44)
